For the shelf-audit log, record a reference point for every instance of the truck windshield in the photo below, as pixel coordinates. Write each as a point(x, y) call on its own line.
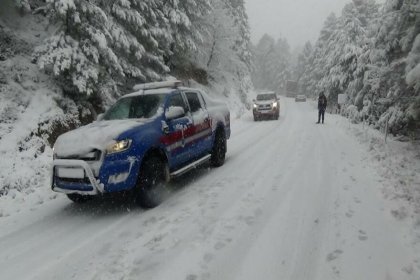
point(262, 97)
point(135, 107)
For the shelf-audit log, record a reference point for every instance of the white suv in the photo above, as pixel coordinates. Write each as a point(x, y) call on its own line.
point(267, 105)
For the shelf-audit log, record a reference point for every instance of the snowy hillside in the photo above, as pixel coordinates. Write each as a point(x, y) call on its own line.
point(27, 105)
point(47, 77)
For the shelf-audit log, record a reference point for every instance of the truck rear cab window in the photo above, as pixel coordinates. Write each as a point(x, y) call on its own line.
point(176, 100)
point(135, 107)
point(194, 101)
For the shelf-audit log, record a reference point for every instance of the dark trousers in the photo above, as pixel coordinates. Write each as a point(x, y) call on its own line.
point(321, 114)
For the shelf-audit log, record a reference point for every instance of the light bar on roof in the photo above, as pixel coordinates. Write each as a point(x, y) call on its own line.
point(156, 85)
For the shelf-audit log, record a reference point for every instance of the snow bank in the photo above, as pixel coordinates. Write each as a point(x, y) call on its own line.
point(399, 165)
point(27, 109)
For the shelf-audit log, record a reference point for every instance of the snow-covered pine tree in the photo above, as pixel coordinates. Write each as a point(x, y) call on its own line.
point(316, 67)
point(283, 64)
point(272, 63)
point(345, 47)
point(102, 44)
point(225, 53)
point(189, 30)
point(303, 61)
point(242, 43)
point(372, 55)
point(393, 86)
point(241, 46)
point(264, 58)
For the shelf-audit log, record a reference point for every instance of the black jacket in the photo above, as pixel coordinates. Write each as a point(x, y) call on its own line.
point(322, 103)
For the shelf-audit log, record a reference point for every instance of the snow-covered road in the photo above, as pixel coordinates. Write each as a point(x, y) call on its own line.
point(295, 200)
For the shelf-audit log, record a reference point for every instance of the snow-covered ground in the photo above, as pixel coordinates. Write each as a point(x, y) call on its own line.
point(294, 200)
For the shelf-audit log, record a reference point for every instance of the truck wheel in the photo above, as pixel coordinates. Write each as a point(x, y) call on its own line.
point(151, 185)
point(219, 149)
point(78, 198)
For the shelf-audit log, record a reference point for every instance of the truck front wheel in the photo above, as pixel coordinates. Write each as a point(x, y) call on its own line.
point(78, 198)
point(219, 149)
point(151, 186)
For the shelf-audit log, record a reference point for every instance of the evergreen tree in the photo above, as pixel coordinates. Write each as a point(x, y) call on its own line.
point(303, 61)
point(225, 54)
point(272, 62)
point(106, 43)
point(316, 68)
point(373, 56)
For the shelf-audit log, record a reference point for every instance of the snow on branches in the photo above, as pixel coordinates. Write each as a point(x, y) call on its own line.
point(372, 54)
point(120, 40)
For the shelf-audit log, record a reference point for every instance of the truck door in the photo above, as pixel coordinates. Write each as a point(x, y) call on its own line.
point(177, 131)
point(200, 138)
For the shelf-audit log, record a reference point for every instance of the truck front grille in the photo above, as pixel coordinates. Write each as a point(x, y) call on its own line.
point(264, 107)
point(94, 155)
point(76, 181)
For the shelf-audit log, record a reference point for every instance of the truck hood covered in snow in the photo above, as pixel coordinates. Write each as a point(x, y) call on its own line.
point(97, 135)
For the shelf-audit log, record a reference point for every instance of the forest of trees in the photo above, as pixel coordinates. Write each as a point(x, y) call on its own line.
point(272, 64)
point(101, 48)
point(371, 53)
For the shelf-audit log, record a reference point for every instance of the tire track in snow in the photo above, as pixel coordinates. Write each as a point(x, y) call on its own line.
point(247, 201)
point(212, 188)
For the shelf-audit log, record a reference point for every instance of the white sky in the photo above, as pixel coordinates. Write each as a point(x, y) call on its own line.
point(296, 20)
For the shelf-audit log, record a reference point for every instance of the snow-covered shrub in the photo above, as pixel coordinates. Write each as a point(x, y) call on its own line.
point(352, 113)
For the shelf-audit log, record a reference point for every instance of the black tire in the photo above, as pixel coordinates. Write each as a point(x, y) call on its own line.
point(218, 153)
point(255, 119)
point(78, 198)
point(151, 185)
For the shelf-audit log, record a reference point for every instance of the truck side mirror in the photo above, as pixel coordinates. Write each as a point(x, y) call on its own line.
point(174, 112)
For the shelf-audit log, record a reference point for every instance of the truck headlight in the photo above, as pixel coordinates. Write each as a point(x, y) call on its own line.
point(255, 106)
point(119, 146)
point(275, 105)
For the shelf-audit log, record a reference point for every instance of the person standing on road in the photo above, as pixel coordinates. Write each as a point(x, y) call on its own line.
point(322, 106)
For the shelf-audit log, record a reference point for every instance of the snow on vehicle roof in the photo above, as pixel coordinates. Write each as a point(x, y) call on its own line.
point(166, 90)
point(156, 85)
point(267, 92)
point(210, 100)
point(151, 91)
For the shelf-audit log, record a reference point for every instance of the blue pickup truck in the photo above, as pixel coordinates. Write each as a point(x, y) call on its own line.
point(160, 131)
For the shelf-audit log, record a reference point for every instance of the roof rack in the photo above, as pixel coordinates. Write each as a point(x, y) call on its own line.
point(157, 85)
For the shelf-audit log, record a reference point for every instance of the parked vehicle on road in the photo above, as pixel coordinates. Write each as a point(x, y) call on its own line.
point(267, 105)
point(292, 88)
point(300, 98)
point(160, 131)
